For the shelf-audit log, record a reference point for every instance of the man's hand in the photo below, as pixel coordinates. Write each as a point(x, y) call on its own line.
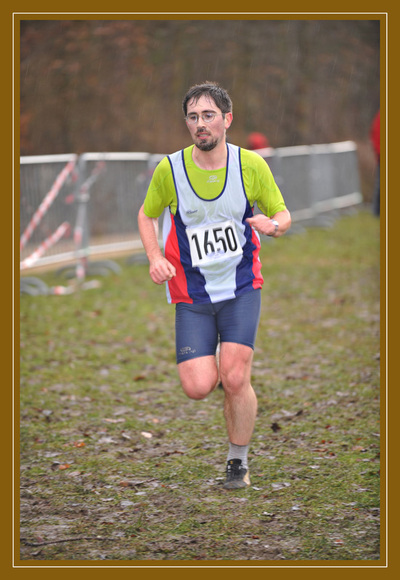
point(161, 270)
point(262, 224)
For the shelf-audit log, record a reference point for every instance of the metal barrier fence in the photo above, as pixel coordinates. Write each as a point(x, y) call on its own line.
point(74, 207)
point(315, 179)
point(46, 203)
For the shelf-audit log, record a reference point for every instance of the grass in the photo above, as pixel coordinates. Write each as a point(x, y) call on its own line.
point(118, 465)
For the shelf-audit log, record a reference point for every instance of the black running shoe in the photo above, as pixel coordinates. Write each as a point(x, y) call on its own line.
point(236, 475)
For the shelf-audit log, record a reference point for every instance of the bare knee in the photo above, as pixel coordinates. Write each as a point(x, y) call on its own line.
point(234, 380)
point(235, 368)
point(198, 377)
point(198, 390)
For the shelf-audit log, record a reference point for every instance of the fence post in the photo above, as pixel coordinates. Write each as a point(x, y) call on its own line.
point(81, 231)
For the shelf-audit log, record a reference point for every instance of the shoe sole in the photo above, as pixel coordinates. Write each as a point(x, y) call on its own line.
point(239, 483)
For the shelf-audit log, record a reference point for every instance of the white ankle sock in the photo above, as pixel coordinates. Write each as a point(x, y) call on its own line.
point(238, 452)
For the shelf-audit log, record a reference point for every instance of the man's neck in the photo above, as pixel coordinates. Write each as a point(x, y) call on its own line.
point(211, 160)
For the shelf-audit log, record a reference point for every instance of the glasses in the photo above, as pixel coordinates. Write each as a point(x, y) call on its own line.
point(193, 118)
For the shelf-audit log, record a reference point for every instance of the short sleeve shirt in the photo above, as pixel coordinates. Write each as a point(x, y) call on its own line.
point(258, 181)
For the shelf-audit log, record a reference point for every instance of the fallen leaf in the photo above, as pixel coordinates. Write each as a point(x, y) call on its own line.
point(95, 313)
point(126, 503)
point(146, 434)
point(106, 440)
point(64, 466)
point(278, 486)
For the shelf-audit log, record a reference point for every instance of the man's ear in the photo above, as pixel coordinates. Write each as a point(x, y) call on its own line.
point(228, 120)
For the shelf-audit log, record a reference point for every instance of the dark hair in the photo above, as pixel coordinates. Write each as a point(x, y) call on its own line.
point(210, 89)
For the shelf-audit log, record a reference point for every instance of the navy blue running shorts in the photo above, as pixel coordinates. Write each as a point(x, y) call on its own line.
point(199, 326)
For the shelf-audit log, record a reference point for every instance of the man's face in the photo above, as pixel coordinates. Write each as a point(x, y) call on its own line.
point(206, 136)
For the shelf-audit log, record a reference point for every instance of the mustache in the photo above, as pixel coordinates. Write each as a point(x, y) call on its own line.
point(200, 131)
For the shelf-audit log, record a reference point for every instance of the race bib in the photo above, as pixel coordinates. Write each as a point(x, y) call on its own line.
point(213, 242)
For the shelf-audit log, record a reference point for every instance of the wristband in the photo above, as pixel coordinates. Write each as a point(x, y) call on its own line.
point(276, 224)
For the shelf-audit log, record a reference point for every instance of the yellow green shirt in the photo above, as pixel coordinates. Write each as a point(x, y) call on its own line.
point(258, 181)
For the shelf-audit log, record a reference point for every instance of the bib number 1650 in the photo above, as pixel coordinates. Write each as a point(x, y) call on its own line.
point(215, 242)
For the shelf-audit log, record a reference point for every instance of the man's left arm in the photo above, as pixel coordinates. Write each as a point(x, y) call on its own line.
point(274, 226)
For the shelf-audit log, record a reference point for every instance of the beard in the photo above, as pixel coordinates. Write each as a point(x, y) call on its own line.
point(204, 146)
point(202, 143)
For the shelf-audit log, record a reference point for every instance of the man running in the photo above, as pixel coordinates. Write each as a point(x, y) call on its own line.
point(211, 260)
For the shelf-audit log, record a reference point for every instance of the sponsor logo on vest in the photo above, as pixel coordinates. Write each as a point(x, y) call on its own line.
point(213, 179)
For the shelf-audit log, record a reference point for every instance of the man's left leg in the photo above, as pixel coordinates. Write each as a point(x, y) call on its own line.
point(240, 409)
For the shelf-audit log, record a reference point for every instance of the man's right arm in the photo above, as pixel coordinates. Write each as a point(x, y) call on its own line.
point(161, 269)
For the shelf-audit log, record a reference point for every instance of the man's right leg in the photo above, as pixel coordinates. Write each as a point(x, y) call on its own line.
point(196, 337)
point(198, 376)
